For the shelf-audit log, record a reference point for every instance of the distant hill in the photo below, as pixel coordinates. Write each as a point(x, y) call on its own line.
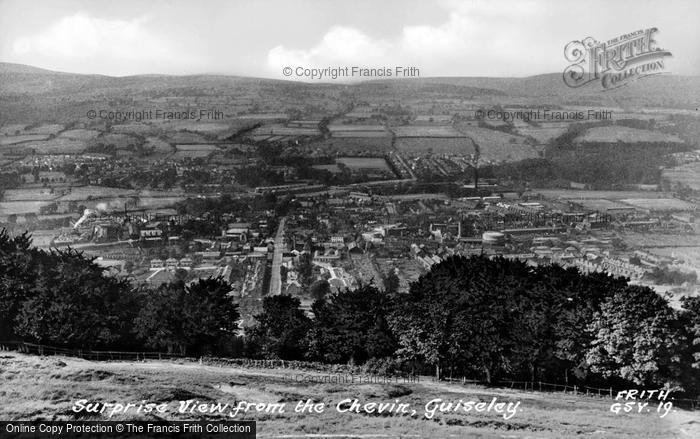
point(32, 94)
point(21, 79)
point(6, 67)
point(671, 91)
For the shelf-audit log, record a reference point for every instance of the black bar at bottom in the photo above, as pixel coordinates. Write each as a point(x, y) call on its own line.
point(127, 429)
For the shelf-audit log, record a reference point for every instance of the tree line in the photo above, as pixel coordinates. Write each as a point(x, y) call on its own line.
point(494, 319)
point(63, 299)
point(489, 319)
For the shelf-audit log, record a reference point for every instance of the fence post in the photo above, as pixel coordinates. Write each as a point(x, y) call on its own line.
point(611, 392)
point(575, 390)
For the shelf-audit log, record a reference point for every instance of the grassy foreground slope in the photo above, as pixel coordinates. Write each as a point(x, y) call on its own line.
point(45, 388)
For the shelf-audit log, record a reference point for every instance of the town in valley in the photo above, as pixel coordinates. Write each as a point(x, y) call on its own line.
point(306, 189)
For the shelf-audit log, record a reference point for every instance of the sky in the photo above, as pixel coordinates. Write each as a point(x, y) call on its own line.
point(260, 38)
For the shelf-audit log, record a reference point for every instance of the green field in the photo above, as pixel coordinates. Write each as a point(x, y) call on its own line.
point(687, 174)
point(80, 134)
point(21, 207)
point(54, 146)
point(364, 163)
point(44, 388)
point(497, 146)
point(12, 140)
point(33, 194)
point(426, 131)
point(617, 133)
point(419, 146)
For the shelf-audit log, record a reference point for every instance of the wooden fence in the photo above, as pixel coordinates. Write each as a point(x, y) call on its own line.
point(539, 386)
point(37, 349)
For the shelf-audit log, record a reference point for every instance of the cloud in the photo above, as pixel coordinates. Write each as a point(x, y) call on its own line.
point(340, 44)
point(100, 43)
point(477, 37)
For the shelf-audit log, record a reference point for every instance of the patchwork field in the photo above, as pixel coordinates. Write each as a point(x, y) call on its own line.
point(616, 133)
point(45, 388)
point(194, 151)
point(55, 146)
point(354, 145)
point(359, 132)
point(608, 195)
point(418, 146)
point(21, 207)
point(158, 202)
point(341, 127)
point(426, 131)
point(93, 197)
point(37, 194)
point(688, 175)
point(659, 204)
point(262, 117)
point(600, 204)
point(651, 204)
point(120, 141)
point(363, 163)
point(543, 133)
point(281, 130)
point(330, 168)
point(673, 242)
point(159, 146)
point(13, 140)
point(185, 137)
point(135, 128)
point(349, 134)
point(434, 118)
point(12, 129)
point(53, 128)
point(80, 134)
point(196, 126)
point(95, 192)
point(497, 146)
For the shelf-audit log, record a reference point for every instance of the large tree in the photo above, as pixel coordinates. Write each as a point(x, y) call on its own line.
point(493, 316)
point(352, 326)
point(576, 297)
point(636, 338)
point(691, 316)
point(281, 330)
point(17, 262)
point(190, 318)
point(690, 319)
point(72, 304)
point(464, 314)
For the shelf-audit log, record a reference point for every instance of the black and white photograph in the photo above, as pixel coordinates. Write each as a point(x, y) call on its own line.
point(383, 219)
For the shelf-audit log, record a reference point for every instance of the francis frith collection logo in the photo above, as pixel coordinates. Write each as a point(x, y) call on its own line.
point(615, 62)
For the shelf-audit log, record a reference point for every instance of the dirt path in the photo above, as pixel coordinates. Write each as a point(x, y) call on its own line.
point(684, 423)
point(457, 388)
